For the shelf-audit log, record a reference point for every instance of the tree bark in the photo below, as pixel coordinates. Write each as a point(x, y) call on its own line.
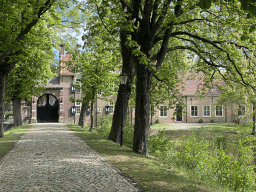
point(254, 120)
point(142, 109)
point(91, 127)
point(17, 111)
point(82, 114)
point(128, 67)
point(2, 101)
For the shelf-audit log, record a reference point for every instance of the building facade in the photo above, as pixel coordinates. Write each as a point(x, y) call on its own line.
point(54, 105)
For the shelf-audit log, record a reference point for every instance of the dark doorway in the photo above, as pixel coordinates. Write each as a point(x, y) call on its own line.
point(47, 109)
point(179, 113)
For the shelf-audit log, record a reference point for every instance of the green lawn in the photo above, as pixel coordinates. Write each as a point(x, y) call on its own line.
point(10, 138)
point(148, 172)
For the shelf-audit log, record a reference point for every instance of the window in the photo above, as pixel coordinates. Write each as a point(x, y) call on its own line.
point(78, 107)
point(219, 111)
point(241, 110)
point(194, 111)
point(207, 110)
point(111, 107)
point(163, 111)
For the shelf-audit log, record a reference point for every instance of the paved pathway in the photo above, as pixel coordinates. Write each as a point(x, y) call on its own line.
point(51, 158)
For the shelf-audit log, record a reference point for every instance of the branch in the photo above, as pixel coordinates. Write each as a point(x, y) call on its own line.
point(189, 21)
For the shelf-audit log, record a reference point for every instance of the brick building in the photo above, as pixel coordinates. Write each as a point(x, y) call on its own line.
point(54, 105)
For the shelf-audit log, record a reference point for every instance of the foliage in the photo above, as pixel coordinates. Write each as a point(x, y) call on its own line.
point(157, 121)
point(8, 114)
point(200, 121)
point(155, 30)
point(212, 121)
point(104, 125)
point(159, 144)
point(211, 160)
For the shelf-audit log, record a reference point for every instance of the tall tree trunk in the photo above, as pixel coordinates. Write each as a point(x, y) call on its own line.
point(91, 127)
point(128, 67)
point(82, 114)
point(142, 109)
point(17, 111)
point(254, 120)
point(2, 100)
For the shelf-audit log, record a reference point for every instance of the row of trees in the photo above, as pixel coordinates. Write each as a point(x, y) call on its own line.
point(155, 36)
point(156, 41)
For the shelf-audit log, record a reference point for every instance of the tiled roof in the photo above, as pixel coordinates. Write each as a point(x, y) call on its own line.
point(193, 82)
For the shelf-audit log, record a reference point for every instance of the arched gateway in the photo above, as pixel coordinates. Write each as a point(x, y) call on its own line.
point(47, 109)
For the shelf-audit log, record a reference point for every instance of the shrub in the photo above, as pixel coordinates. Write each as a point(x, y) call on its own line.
point(104, 125)
point(128, 134)
point(157, 121)
point(200, 121)
point(194, 150)
point(212, 121)
point(8, 114)
point(159, 144)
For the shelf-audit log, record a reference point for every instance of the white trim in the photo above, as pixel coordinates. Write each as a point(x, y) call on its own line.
point(113, 107)
point(99, 110)
point(197, 111)
point(244, 110)
point(221, 111)
point(163, 111)
point(209, 110)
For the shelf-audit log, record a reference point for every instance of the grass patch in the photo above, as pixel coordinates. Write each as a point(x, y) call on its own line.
point(148, 172)
point(11, 136)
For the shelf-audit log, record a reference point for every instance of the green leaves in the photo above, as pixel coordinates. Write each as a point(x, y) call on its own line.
point(205, 4)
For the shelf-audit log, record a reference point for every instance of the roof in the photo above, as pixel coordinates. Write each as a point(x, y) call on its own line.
point(193, 83)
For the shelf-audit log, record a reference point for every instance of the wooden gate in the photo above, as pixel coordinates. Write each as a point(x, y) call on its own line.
point(47, 109)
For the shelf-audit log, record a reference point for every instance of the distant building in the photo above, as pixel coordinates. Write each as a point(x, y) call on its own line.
point(53, 105)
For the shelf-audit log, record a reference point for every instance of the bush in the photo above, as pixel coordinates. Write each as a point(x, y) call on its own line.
point(159, 144)
point(8, 114)
point(212, 121)
point(200, 121)
point(157, 121)
point(128, 134)
point(104, 125)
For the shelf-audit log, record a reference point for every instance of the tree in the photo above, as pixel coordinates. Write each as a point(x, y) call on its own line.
point(17, 20)
point(32, 71)
point(158, 28)
point(97, 66)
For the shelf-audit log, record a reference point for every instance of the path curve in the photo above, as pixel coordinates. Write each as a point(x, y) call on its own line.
point(50, 157)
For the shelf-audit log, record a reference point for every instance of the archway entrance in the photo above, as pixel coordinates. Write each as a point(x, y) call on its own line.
point(47, 109)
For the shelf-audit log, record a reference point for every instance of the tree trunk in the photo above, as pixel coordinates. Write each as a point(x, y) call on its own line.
point(254, 120)
point(17, 112)
point(91, 127)
point(128, 67)
point(82, 114)
point(142, 109)
point(2, 100)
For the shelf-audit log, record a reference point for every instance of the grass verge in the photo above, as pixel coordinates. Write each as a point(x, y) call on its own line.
point(11, 136)
point(148, 172)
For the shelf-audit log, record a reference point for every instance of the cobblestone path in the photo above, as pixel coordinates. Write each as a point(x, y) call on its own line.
point(51, 158)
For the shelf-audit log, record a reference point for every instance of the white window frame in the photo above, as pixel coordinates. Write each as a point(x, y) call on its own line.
point(244, 110)
point(218, 110)
point(99, 110)
point(207, 110)
point(111, 107)
point(191, 110)
point(78, 107)
point(163, 116)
